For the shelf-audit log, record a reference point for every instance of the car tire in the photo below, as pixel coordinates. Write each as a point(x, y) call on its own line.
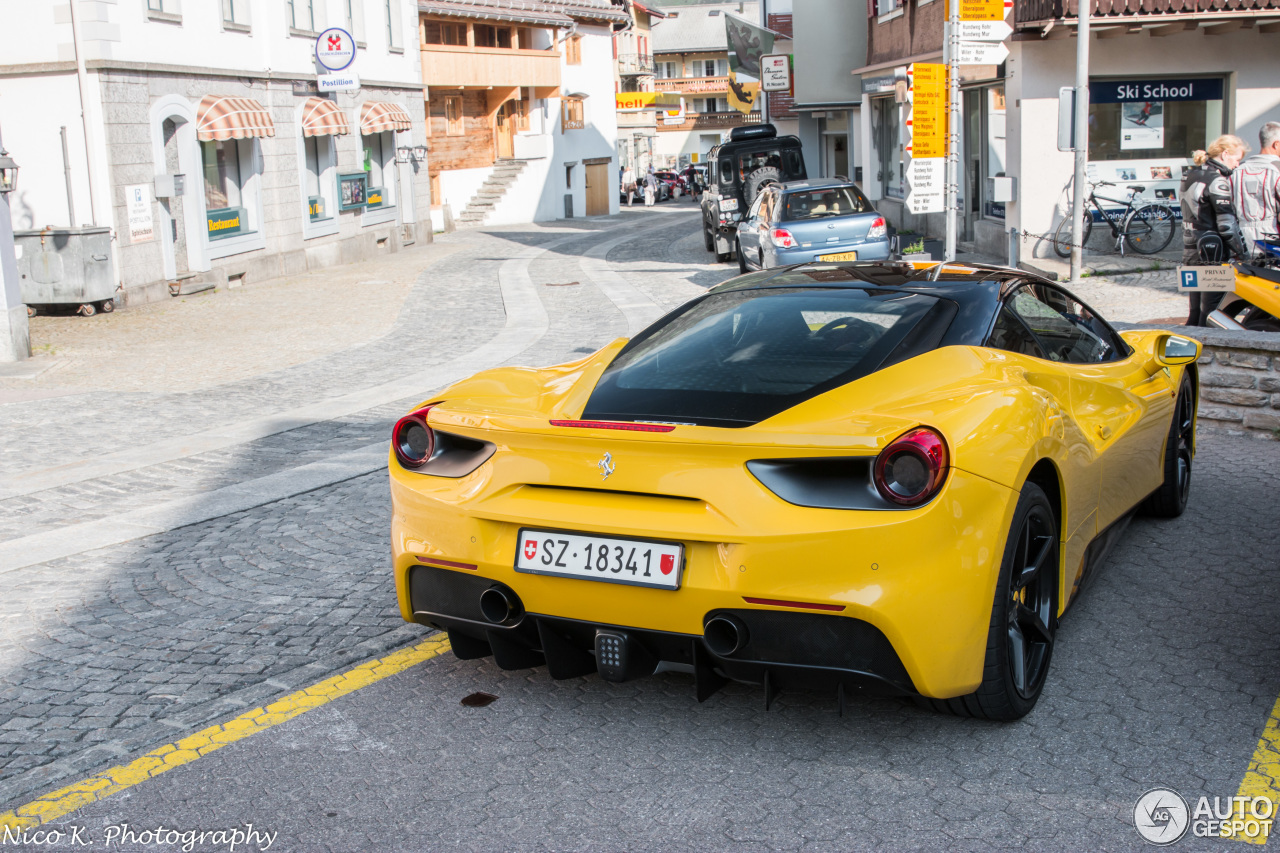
point(742, 261)
point(707, 239)
point(1170, 499)
point(725, 257)
point(1023, 617)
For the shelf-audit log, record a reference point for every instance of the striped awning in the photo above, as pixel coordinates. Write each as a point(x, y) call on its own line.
point(322, 117)
point(381, 116)
point(219, 117)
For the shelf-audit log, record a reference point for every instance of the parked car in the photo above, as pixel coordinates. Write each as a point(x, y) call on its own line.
point(663, 193)
point(884, 477)
point(737, 170)
point(671, 180)
point(802, 221)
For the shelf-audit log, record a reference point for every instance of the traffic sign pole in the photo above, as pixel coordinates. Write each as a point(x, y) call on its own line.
point(1078, 209)
point(950, 49)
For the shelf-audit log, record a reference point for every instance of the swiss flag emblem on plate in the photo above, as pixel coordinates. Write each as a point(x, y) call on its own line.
point(530, 548)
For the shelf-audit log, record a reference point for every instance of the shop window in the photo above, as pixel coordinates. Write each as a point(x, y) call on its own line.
point(1152, 119)
point(453, 115)
point(379, 165)
point(572, 114)
point(227, 165)
point(319, 157)
point(886, 127)
point(573, 50)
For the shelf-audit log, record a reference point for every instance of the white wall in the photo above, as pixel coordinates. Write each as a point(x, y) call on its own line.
point(31, 111)
point(594, 78)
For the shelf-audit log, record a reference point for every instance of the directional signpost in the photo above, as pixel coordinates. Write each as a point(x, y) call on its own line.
point(981, 53)
point(926, 172)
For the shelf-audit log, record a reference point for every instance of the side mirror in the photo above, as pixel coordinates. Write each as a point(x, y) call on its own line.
point(1175, 349)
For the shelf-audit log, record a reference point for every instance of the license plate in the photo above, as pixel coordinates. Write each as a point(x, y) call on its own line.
point(638, 562)
point(842, 256)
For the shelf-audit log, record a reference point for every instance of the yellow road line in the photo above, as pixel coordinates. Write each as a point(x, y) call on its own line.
point(1262, 779)
point(66, 800)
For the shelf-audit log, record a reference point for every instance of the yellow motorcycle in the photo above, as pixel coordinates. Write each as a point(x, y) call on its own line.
point(1254, 305)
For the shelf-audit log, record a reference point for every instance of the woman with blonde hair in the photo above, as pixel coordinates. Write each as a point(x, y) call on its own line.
point(1207, 213)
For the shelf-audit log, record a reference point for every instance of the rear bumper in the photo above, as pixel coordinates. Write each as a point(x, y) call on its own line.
point(781, 650)
point(877, 250)
point(923, 579)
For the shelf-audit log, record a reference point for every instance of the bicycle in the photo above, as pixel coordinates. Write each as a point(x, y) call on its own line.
point(1146, 229)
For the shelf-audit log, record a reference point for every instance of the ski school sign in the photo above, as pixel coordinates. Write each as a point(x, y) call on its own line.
point(1125, 91)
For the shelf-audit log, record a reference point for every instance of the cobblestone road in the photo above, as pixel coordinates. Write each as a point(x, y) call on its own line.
point(1164, 675)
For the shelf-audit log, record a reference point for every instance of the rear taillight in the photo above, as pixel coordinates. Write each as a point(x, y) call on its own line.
point(878, 229)
point(413, 440)
point(911, 470)
point(782, 239)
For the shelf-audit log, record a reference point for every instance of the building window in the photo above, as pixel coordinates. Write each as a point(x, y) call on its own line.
point(486, 35)
point(225, 170)
point(229, 11)
point(573, 50)
point(571, 114)
point(568, 177)
point(439, 32)
point(155, 5)
point(709, 68)
point(453, 115)
point(379, 164)
point(888, 7)
point(354, 16)
point(302, 15)
point(394, 34)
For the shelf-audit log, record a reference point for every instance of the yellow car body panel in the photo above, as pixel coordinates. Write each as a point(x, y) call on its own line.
point(925, 577)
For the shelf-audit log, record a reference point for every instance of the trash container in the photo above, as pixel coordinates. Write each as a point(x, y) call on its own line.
point(66, 266)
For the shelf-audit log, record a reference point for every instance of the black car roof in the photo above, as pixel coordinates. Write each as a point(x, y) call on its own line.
point(975, 288)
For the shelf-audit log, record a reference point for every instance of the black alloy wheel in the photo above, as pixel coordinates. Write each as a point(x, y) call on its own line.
point(1024, 617)
point(1032, 591)
point(742, 259)
point(1170, 499)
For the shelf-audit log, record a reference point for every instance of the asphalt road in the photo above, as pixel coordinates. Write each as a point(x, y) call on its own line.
point(1164, 675)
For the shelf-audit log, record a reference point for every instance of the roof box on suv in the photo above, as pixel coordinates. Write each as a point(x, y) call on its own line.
point(753, 131)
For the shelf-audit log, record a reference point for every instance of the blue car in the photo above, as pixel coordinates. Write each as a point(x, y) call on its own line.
point(802, 221)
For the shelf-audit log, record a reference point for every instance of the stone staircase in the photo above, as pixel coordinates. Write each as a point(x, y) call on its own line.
point(490, 193)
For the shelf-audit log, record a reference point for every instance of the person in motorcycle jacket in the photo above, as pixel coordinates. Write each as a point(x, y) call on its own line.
point(1255, 191)
point(1207, 210)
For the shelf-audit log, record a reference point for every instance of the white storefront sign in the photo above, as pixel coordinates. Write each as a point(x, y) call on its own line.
point(775, 69)
point(141, 225)
point(338, 82)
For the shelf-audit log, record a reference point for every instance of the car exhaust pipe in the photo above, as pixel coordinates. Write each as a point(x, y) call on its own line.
point(724, 635)
point(1219, 320)
point(500, 606)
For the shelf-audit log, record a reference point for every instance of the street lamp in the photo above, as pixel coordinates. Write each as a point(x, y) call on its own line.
point(8, 172)
point(419, 152)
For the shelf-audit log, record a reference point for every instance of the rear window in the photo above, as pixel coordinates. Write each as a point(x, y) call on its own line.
point(817, 204)
point(786, 161)
point(739, 357)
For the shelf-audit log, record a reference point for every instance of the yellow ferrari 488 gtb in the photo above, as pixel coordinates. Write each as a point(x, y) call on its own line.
point(887, 477)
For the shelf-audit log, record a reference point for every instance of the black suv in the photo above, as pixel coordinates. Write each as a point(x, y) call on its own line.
point(754, 157)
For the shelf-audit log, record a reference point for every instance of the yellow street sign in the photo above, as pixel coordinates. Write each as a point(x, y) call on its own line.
point(984, 10)
point(928, 110)
point(640, 100)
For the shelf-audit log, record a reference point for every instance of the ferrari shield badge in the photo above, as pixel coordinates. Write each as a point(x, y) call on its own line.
point(606, 466)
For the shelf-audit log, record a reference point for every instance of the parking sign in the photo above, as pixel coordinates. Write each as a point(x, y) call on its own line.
point(1220, 278)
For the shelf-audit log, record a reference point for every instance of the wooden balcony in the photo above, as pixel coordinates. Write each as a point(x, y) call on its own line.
point(692, 85)
point(1160, 16)
point(447, 66)
point(709, 121)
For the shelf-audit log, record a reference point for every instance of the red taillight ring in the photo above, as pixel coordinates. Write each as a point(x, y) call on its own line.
point(929, 450)
point(413, 439)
